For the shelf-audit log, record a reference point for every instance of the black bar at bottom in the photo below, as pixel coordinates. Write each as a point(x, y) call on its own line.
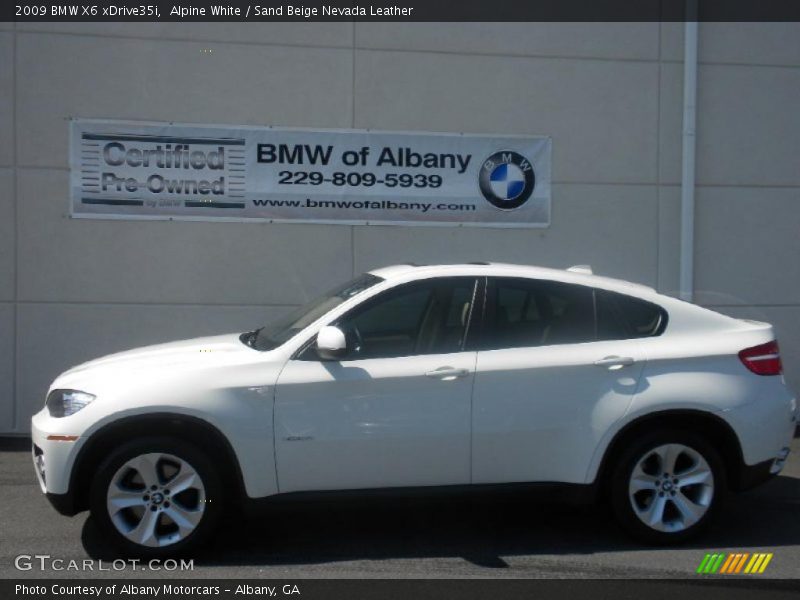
point(405, 589)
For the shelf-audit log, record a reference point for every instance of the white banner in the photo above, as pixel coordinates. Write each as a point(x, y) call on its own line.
point(122, 169)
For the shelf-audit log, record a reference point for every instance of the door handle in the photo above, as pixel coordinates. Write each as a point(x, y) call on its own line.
point(612, 363)
point(447, 373)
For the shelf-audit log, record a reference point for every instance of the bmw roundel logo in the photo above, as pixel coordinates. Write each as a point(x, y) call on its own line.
point(507, 179)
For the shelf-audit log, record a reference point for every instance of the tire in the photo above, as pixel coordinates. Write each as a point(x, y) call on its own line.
point(134, 507)
point(663, 510)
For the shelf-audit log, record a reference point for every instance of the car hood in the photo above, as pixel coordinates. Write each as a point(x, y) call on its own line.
point(178, 358)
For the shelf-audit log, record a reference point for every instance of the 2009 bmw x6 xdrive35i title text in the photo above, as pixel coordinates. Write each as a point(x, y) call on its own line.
point(426, 376)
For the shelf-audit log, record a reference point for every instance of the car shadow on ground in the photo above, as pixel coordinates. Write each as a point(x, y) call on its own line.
point(480, 530)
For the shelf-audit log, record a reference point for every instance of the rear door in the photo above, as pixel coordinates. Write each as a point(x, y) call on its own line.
point(549, 381)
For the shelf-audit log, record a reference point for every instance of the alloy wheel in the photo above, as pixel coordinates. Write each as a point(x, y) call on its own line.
point(156, 499)
point(671, 488)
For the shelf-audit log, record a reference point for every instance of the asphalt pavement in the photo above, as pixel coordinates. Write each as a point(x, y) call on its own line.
point(502, 537)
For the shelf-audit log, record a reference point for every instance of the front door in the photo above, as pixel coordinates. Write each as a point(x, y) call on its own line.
point(396, 411)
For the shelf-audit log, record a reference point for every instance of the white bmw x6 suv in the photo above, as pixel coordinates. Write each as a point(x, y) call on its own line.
point(439, 377)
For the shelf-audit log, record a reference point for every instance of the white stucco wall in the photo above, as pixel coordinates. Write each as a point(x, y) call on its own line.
point(609, 94)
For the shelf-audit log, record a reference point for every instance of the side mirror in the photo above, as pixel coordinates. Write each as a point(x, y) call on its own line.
point(331, 343)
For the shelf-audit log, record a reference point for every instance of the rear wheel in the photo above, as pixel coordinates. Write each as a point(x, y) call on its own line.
point(667, 486)
point(156, 497)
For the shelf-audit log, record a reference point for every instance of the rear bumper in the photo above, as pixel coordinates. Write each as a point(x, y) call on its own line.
point(751, 476)
point(765, 426)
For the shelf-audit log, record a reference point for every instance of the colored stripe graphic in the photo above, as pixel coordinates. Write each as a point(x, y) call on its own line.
point(718, 563)
point(711, 563)
point(734, 563)
point(703, 563)
point(764, 564)
point(757, 563)
point(737, 560)
point(727, 564)
point(741, 561)
point(752, 562)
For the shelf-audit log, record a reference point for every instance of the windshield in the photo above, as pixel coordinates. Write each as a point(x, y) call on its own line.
point(279, 331)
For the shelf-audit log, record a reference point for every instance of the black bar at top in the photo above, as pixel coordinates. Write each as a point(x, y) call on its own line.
point(437, 10)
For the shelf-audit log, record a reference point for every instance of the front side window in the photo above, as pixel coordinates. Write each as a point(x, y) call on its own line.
point(527, 313)
point(281, 330)
point(427, 317)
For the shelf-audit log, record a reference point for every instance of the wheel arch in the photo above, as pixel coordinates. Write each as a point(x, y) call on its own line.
point(713, 427)
point(186, 427)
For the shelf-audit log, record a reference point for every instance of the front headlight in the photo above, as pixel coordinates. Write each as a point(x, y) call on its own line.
point(63, 403)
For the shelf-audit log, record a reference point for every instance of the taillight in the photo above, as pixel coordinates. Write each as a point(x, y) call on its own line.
point(764, 359)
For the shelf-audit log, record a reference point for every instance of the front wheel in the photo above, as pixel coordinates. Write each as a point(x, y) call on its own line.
point(667, 486)
point(156, 497)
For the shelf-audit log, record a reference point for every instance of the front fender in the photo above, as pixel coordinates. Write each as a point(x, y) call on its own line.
point(236, 402)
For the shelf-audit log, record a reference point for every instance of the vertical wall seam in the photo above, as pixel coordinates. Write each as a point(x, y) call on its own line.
point(353, 80)
point(353, 124)
point(688, 152)
point(658, 160)
point(353, 250)
point(15, 247)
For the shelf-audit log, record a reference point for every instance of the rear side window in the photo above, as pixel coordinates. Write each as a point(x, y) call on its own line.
point(621, 317)
point(525, 313)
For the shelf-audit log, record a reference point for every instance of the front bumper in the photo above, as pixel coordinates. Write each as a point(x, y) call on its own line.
point(63, 503)
point(54, 453)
